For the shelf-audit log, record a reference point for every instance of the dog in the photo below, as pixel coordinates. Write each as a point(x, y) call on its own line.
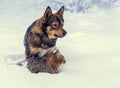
point(40, 41)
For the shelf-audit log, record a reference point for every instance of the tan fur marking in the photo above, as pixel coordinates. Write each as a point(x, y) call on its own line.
point(55, 22)
point(52, 33)
point(59, 32)
point(56, 60)
point(37, 27)
point(33, 49)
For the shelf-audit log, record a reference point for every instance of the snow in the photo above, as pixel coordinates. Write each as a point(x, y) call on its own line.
point(91, 48)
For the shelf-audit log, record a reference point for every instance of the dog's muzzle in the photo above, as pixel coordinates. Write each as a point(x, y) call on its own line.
point(63, 34)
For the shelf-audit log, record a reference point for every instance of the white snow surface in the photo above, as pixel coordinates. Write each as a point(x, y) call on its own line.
point(91, 49)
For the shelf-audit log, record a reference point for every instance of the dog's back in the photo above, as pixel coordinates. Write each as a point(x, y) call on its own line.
point(27, 40)
point(27, 34)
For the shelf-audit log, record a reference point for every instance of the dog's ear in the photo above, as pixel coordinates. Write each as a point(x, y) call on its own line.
point(48, 12)
point(61, 11)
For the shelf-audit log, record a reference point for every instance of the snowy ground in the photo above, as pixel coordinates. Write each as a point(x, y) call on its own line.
point(91, 48)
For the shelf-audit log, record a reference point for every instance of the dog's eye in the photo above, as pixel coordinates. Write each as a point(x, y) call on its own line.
point(55, 25)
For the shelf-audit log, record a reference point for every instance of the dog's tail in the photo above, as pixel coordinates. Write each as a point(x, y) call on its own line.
point(15, 60)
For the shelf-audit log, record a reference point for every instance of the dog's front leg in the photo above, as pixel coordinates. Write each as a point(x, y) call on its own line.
point(34, 51)
point(34, 56)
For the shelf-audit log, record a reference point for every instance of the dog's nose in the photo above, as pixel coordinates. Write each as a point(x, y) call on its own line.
point(64, 33)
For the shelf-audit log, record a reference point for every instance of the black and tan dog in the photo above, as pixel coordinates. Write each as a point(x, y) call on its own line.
point(40, 42)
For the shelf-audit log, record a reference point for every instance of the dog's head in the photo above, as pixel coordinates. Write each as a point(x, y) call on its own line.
point(53, 25)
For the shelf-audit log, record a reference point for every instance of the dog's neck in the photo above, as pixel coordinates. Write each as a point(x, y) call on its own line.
point(47, 52)
point(46, 42)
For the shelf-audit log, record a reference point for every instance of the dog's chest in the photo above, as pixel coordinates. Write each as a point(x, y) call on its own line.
point(43, 52)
